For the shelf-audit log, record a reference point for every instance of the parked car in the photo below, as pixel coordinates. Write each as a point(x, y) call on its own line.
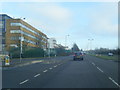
point(110, 54)
point(78, 56)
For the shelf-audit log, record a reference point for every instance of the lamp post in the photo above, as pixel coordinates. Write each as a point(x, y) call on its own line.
point(21, 46)
point(66, 40)
point(90, 43)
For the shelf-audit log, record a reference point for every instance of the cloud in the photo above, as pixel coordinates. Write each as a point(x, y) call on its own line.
point(105, 20)
point(51, 17)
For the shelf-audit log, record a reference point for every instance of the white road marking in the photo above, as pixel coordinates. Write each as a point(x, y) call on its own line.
point(114, 82)
point(55, 66)
point(37, 75)
point(50, 68)
point(93, 63)
point(100, 69)
point(45, 71)
point(24, 81)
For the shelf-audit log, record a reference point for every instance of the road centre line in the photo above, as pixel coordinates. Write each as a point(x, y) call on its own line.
point(55, 66)
point(45, 71)
point(100, 69)
point(50, 68)
point(114, 82)
point(93, 63)
point(37, 75)
point(24, 81)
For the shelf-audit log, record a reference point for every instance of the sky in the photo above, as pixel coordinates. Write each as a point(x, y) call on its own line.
point(96, 21)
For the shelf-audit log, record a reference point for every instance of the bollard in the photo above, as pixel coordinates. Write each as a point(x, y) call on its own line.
point(7, 60)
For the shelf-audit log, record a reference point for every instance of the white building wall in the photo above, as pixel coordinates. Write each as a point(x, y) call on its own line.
point(52, 42)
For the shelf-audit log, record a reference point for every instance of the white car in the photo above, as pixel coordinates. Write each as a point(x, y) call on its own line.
point(110, 54)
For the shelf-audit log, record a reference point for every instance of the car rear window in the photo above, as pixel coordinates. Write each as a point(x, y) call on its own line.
point(78, 53)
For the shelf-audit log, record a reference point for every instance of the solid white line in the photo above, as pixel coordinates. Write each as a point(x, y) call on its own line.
point(45, 71)
point(37, 75)
point(93, 63)
point(114, 82)
point(24, 81)
point(50, 68)
point(99, 69)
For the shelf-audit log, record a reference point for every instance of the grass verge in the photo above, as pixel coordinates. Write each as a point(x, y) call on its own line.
point(115, 57)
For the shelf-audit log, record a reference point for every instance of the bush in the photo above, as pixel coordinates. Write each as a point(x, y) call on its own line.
point(34, 52)
point(27, 52)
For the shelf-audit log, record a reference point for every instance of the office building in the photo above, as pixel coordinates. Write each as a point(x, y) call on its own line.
point(21, 34)
point(3, 18)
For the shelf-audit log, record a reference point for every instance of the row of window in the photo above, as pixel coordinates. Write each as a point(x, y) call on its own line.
point(18, 38)
point(27, 34)
point(23, 26)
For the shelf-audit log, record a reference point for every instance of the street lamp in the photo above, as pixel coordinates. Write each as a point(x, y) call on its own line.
point(90, 43)
point(66, 40)
point(21, 45)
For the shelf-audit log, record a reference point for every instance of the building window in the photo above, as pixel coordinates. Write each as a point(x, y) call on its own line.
point(25, 27)
point(15, 38)
point(15, 24)
point(13, 45)
point(15, 31)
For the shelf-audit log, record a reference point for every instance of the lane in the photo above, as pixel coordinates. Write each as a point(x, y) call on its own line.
point(12, 77)
point(109, 67)
point(72, 74)
point(89, 73)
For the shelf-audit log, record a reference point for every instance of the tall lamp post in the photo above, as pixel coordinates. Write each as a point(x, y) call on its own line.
point(66, 40)
point(21, 46)
point(90, 43)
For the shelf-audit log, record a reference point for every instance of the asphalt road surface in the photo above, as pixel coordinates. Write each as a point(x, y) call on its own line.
point(63, 72)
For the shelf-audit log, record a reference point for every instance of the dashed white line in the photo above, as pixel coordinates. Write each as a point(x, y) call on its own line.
point(114, 82)
point(45, 71)
point(93, 63)
point(24, 81)
point(55, 66)
point(100, 69)
point(37, 75)
point(50, 68)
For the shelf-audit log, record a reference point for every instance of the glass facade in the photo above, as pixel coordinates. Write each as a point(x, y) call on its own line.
point(3, 18)
point(24, 33)
point(27, 28)
point(25, 40)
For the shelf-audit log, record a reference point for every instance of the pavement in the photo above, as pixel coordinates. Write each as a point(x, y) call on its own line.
point(25, 61)
point(63, 72)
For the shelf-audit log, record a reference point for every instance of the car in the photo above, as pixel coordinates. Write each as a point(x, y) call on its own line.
point(110, 54)
point(78, 56)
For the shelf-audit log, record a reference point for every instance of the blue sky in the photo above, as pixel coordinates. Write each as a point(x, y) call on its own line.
point(80, 20)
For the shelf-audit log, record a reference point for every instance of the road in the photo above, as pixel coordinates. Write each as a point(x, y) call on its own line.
point(63, 72)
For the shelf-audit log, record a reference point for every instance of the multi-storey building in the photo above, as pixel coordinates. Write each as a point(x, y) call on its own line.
point(51, 46)
point(52, 42)
point(20, 33)
point(3, 18)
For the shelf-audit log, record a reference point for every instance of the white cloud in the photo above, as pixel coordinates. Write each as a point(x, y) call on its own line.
point(52, 18)
point(105, 21)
